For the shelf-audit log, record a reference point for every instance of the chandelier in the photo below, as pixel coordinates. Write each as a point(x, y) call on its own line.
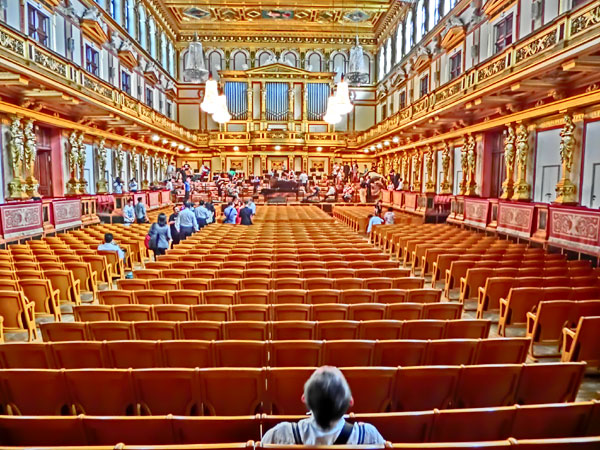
point(332, 115)
point(357, 72)
point(194, 66)
point(221, 114)
point(211, 93)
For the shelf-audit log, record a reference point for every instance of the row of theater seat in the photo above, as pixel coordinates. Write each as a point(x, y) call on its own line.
point(242, 391)
point(238, 353)
point(257, 312)
point(472, 425)
point(265, 297)
point(203, 284)
point(262, 331)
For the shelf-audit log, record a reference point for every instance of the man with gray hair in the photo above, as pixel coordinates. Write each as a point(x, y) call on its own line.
point(328, 397)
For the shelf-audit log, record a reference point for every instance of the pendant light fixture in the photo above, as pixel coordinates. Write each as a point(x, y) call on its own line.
point(194, 66)
point(344, 105)
point(332, 115)
point(211, 93)
point(221, 115)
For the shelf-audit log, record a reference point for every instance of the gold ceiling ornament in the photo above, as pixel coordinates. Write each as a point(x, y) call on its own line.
point(17, 152)
point(101, 184)
point(509, 159)
point(566, 190)
point(31, 184)
point(522, 190)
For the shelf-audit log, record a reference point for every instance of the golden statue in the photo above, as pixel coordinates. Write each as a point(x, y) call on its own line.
point(566, 189)
point(81, 159)
point(145, 164)
point(429, 165)
point(405, 173)
point(31, 184)
point(509, 159)
point(464, 166)
point(521, 187)
point(72, 157)
point(417, 161)
point(472, 162)
point(101, 185)
point(119, 155)
point(17, 153)
point(446, 185)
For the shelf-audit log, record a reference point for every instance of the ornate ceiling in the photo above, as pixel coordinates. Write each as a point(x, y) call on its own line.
point(306, 18)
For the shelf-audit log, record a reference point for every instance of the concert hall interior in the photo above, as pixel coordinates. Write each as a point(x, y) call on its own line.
point(250, 224)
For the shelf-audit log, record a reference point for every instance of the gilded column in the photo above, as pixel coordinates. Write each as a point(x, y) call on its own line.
point(509, 159)
point(464, 166)
point(17, 154)
point(250, 106)
point(522, 190)
point(72, 158)
point(81, 159)
point(565, 188)
point(431, 170)
point(101, 185)
point(446, 184)
point(31, 184)
point(263, 101)
point(250, 165)
point(472, 163)
point(144, 172)
point(405, 171)
point(290, 162)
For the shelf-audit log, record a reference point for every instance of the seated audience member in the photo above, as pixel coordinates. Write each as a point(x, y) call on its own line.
point(129, 212)
point(348, 193)
point(230, 214)
point(140, 212)
point(328, 397)
point(187, 221)
point(373, 220)
point(110, 245)
point(389, 217)
point(246, 214)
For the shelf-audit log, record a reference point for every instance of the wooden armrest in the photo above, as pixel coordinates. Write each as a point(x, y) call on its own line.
point(568, 337)
point(77, 286)
point(530, 323)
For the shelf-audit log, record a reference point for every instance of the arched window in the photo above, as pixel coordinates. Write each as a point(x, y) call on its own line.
point(388, 55)
point(164, 57)
point(314, 62)
point(433, 13)
point(142, 28)
point(408, 33)
point(127, 15)
point(152, 32)
point(215, 62)
point(399, 33)
point(239, 60)
point(421, 26)
point(289, 58)
point(339, 63)
point(265, 57)
point(171, 59)
point(381, 64)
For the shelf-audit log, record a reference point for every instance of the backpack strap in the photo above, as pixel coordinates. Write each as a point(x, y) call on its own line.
point(296, 433)
point(344, 435)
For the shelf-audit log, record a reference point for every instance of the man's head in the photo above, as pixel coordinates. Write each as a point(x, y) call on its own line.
point(390, 209)
point(130, 202)
point(327, 395)
point(187, 204)
point(201, 203)
point(108, 238)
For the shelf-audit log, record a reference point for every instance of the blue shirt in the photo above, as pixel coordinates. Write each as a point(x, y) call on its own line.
point(129, 214)
point(202, 213)
point(187, 219)
point(252, 206)
point(140, 211)
point(133, 186)
point(375, 220)
point(186, 186)
point(230, 214)
point(113, 248)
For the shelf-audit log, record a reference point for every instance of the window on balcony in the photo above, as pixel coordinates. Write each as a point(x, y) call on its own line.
point(126, 82)
point(503, 32)
point(455, 65)
point(92, 60)
point(424, 86)
point(169, 109)
point(402, 100)
point(127, 16)
point(38, 25)
point(149, 97)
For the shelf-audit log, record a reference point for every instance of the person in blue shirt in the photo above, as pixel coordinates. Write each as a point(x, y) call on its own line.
point(202, 214)
point(230, 214)
point(187, 221)
point(373, 220)
point(133, 186)
point(187, 188)
point(118, 185)
point(110, 245)
point(140, 212)
point(129, 212)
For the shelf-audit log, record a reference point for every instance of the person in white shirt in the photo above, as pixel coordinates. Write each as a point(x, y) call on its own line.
point(389, 217)
point(331, 193)
point(328, 397)
point(373, 220)
point(129, 212)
